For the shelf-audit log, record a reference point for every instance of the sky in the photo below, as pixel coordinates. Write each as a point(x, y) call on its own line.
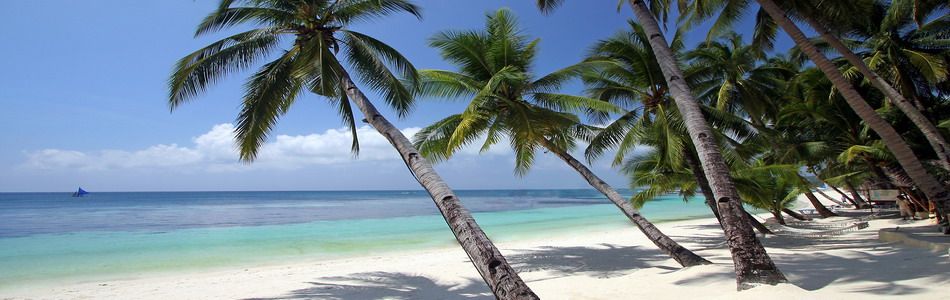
point(84, 102)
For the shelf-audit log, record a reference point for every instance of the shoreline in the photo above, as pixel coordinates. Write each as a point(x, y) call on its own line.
point(65, 258)
point(605, 263)
point(435, 245)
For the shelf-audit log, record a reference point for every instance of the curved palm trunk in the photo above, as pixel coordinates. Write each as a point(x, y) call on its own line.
point(843, 195)
point(846, 197)
point(823, 211)
point(494, 269)
point(682, 255)
point(857, 196)
point(931, 133)
point(778, 217)
point(708, 194)
point(902, 152)
point(826, 196)
point(795, 214)
point(752, 264)
point(703, 184)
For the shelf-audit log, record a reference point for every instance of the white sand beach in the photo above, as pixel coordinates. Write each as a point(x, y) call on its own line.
point(609, 264)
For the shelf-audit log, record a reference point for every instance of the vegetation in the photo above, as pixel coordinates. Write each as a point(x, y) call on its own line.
point(861, 104)
point(319, 30)
point(505, 100)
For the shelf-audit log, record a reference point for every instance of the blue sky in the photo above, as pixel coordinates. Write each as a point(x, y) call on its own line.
point(84, 97)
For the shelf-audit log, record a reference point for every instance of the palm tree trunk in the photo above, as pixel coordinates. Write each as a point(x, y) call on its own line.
point(679, 253)
point(702, 183)
point(826, 196)
point(708, 194)
point(857, 196)
point(823, 211)
point(752, 264)
point(778, 217)
point(796, 215)
point(931, 133)
point(839, 191)
point(843, 195)
point(902, 152)
point(490, 263)
point(757, 225)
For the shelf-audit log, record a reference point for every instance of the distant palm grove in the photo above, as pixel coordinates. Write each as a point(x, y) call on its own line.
point(862, 102)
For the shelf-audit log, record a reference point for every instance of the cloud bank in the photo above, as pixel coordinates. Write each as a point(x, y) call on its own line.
point(215, 151)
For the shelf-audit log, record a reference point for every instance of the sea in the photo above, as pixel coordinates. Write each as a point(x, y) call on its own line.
point(53, 237)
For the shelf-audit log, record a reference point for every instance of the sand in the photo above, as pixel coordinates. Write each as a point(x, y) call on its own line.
point(618, 263)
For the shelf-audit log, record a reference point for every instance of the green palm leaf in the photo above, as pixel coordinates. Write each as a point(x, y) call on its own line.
point(270, 92)
point(196, 71)
point(232, 16)
point(372, 59)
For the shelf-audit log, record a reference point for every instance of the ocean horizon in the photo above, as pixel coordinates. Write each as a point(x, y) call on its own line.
point(53, 237)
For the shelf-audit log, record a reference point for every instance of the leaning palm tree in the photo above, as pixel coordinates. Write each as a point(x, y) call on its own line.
point(629, 76)
point(752, 264)
point(901, 42)
point(775, 188)
point(734, 77)
point(659, 172)
point(495, 70)
point(892, 139)
point(306, 37)
point(933, 189)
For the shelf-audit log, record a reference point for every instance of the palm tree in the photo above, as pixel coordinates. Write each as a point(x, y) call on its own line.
point(776, 188)
point(319, 33)
point(495, 70)
point(628, 76)
point(896, 45)
point(902, 152)
point(734, 77)
point(657, 174)
point(752, 263)
point(786, 145)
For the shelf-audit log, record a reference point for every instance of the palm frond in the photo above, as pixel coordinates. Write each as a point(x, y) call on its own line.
point(200, 69)
point(373, 60)
point(351, 11)
point(233, 16)
point(432, 141)
point(571, 103)
point(269, 93)
point(547, 6)
point(447, 84)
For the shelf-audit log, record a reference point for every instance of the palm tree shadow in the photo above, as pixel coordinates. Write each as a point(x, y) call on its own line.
point(386, 285)
point(881, 267)
point(602, 261)
point(883, 270)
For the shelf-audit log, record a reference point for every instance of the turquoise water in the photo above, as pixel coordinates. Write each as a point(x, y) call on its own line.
point(50, 237)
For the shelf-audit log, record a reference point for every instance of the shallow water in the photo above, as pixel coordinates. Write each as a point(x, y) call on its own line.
point(52, 236)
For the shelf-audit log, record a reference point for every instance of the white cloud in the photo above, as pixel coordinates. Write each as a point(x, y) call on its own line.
point(215, 151)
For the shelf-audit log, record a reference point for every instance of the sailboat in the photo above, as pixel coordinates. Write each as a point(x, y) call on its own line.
point(81, 192)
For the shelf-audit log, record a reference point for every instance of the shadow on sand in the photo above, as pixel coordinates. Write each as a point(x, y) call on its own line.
point(601, 261)
point(866, 259)
point(386, 285)
point(604, 260)
point(884, 266)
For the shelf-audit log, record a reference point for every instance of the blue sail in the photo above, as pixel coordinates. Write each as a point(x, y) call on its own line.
point(81, 192)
